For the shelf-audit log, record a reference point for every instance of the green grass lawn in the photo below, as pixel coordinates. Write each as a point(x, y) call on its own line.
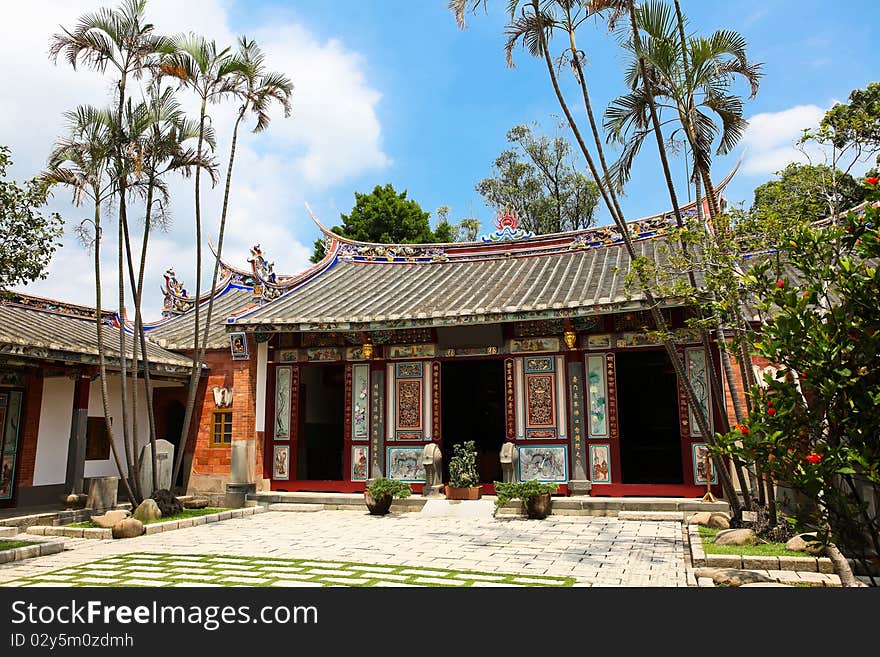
point(146, 569)
point(183, 515)
point(11, 545)
point(760, 550)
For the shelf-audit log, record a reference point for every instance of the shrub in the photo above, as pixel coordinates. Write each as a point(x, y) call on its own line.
point(463, 465)
point(506, 491)
point(393, 487)
point(167, 502)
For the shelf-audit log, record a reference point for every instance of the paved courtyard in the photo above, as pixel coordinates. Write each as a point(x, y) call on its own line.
point(343, 545)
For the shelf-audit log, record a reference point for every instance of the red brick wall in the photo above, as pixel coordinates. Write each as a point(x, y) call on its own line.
point(211, 465)
point(27, 456)
point(739, 387)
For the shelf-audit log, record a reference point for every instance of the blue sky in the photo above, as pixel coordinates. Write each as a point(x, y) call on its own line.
point(392, 91)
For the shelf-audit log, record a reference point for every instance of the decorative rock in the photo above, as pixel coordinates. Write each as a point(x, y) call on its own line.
point(75, 501)
point(736, 537)
point(716, 520)
point(732, 576)
point(128, 528)
point(109, 519)
point(802, 543)
point(168, 503)
point(147, 510)
point(196, 503)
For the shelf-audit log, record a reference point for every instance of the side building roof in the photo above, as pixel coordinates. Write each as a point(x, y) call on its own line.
point(44, 329)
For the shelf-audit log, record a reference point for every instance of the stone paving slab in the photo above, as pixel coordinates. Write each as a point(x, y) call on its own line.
point(580, 548)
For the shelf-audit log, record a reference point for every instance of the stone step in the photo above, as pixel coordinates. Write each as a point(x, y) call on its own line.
point(676, 516)
point(281, 506)
point(8, 532)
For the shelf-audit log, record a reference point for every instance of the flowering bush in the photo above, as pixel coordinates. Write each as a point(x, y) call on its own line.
point(814, 423)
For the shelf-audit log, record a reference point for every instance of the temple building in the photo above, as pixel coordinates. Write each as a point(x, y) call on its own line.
point(347, 370)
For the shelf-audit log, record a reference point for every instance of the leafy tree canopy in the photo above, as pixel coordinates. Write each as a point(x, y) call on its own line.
point(538, 180)
point(385, 216)
point(28, 237)
point(857, 122)
point(805, 192)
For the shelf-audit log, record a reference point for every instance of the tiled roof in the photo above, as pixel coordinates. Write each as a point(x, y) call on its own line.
point(42, 328)
point(497, 283)
point(177, 332)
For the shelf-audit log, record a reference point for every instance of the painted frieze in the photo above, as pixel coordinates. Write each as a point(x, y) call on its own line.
point(405, 464)
point(283, 376)
point(360, 393)
point(543, 462)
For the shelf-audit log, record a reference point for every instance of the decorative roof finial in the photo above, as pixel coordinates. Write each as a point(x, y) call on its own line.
point(506, 223)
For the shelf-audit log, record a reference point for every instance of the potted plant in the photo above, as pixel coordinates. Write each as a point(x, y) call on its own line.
point(463, 475)
point(535, 496)
point(380, 492)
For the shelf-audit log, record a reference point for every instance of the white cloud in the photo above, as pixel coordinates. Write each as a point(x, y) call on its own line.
point(332, 135)
point(771, 136)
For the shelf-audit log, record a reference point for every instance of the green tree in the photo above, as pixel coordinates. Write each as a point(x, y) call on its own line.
point(805, 192)
point(385, 216)
point(256, 89)
point(28, 237)
point(212, 74)
point(466, 230)
point(537, 179)
point(122, 40)
point(816, 424)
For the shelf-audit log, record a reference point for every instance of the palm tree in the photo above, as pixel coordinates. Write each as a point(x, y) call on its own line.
point(80, 161)
point(212, 74)
point(122, 40)
point(256, 89)
point(158, 131)
point(688, 76)
point(534, 26)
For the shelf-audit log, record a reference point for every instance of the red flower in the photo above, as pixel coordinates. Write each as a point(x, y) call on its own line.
point(780, 283)
point(771, 411)
point(743, 429)
point(814, 458)
point(873, 180)
point(803, 375)
point(806, 295)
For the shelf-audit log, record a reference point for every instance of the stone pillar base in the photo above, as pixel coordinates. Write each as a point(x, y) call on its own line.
point(236, 495)
point(433, 491)
point(579, 487)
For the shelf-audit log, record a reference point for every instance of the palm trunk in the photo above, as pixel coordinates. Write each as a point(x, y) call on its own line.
point(140, 334)
point(195, 373)
point(102, 368)
point(651, 302)
point(122, 220)
point(222, 231)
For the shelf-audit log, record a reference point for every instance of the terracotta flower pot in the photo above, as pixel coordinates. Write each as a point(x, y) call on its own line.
point(538, 507)
point(380, 506)
point(471, 493)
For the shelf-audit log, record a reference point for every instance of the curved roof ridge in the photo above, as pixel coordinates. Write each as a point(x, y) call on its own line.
point(402, 248)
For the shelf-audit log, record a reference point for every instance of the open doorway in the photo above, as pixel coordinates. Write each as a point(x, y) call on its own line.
point(472, 403)
point(647, 397)
point(321, 440)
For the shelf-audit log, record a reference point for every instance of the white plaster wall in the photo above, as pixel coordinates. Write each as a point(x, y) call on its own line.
point(107, 468)
point(56, 410)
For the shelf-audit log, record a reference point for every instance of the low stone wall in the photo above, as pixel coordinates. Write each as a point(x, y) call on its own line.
point(801, 564)
point(30, 551)
point(153, 528)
